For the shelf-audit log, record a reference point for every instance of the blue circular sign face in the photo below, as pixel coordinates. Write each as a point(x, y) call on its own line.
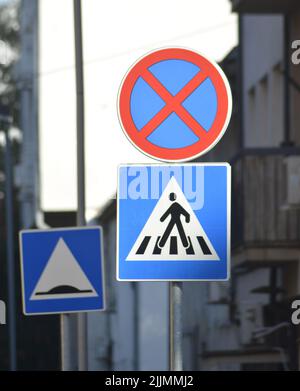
point(174, 104)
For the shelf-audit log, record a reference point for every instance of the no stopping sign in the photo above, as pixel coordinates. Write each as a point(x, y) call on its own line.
point(174, 104)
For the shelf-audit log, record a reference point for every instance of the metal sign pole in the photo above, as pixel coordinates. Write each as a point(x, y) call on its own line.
point(67, 362)
point(10, 253)
point(175, 325)
point(81, 318)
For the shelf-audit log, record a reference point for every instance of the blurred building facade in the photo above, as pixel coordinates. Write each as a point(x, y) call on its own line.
point(38, 338)
point(244, 323)
point(133, 332)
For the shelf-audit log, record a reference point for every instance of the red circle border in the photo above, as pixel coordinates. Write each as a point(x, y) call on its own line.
point(224, 103)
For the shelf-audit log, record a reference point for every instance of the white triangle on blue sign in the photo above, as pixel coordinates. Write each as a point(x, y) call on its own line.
point(62, 277)
point(186, 239)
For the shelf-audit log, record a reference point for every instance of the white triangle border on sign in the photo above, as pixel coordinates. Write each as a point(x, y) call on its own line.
point(195, 226)
point(58, 269)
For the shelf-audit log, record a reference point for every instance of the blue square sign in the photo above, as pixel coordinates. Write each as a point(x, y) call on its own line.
point(174, 222)
point(62, 270)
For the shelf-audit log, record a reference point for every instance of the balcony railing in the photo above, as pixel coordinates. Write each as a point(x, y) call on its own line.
point(260, 216)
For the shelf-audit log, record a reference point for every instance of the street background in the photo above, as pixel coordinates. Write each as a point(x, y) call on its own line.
point(242, 324)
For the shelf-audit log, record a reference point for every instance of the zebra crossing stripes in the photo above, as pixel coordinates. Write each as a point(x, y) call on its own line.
point(157, 249)
point(141, 250)
point(173, 245)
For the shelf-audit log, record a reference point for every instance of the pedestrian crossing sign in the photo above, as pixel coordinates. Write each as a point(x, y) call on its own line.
point(174, 222)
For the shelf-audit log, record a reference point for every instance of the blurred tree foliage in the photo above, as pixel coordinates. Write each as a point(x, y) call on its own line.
point(9, 54)
point(9, 51)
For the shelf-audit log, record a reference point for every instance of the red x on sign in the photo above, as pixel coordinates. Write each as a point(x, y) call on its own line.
point(174, 104)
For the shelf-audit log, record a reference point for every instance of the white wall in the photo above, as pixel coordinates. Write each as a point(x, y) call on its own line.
point(262, 46)
point(154, 333)
point(262, 42)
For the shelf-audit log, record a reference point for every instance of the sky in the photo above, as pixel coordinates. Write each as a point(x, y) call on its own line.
point(115, 34)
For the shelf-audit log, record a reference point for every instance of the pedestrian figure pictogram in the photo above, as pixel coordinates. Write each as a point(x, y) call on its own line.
point(175, 211)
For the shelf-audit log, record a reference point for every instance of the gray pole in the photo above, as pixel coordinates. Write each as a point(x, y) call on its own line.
point(10, 253)
point(175, 319)
point(136, 328)
point(82, 320)
point(65, 338)
point(69, 321)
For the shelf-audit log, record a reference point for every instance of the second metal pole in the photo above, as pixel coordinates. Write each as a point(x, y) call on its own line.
point(82, 319)
point(10, 253)
point(175, 319)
